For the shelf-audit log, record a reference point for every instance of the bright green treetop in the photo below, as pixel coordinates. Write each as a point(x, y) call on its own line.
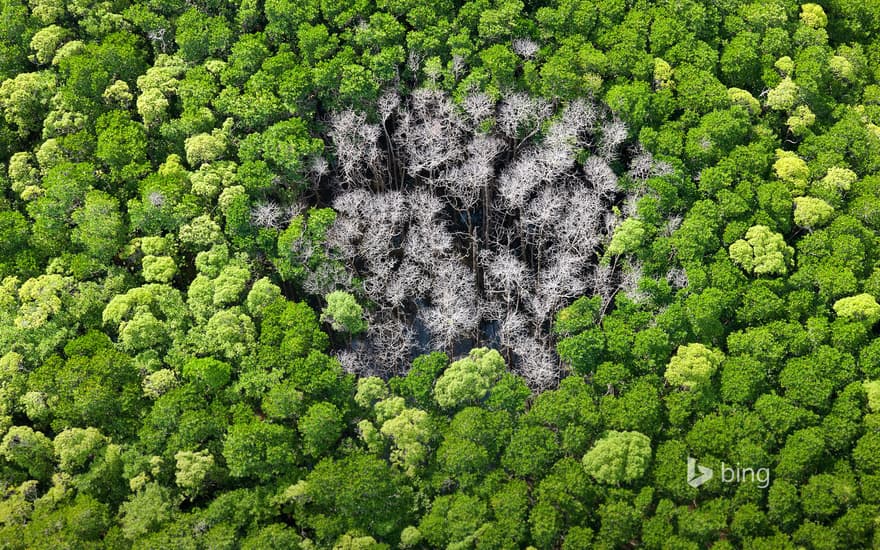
point(619, 457)
point(811, 212)
point(344, 313)
point(628, 236)
point(692, 366)
point(862, 307)
point(762, 252)
point(469, 379)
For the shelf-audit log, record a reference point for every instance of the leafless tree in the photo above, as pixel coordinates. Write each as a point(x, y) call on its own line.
point(506, 277)
point(414, 60)
point(267, 214)
point(463, 233)
point(424, 205)
point(662, 168)
point(614, 133)
point(519, 180)
point(459, 64)
point(318, 168)
point(391, 341)
point(357, 147)
point(579, 230)
point(641, 166)
point(427, 242)
point(387, 104)
point(537, 364)
point(514, 327)
point(677, 277)
point(159, 36)
point(543, 214)
point(409, 282)
point(479, 107)
point(630, 278)
point(601, 176)
point(521, 115)
point(157, 199)
point(672, 223)
point(353, 361)
point(326, 277)
point(524, 47)
point(602, 282)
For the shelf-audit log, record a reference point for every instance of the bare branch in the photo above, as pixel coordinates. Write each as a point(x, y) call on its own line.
point(614, 133)
point(490, 229)
point(267, 214)
point(524, 47)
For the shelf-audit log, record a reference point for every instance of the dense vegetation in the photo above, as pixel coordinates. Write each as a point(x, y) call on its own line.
point(245, 247)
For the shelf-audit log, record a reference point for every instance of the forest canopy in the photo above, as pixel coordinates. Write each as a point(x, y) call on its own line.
point(399, 274)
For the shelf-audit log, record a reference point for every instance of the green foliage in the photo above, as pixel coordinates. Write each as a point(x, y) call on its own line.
point(468, 380)
point(619, 457)
point(24, 98)
point(531, 450)
point(762, 252)
point(862, 307)
point(811, 212)
point(320, 427)
point(145, 511)
point(627, 237)
point(343, 313)
point(121, 145)
point(198, 36)
point(259, 449)
point(355, 492)
point(193, 469)
point(211, 373)
point(410, 432)
point(418, 384)
point(29, 450)
point(693, 366)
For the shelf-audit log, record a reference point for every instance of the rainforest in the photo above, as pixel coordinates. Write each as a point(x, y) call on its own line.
point(485, 274)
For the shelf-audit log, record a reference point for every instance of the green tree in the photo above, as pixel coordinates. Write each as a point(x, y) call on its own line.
point(343, 313)
point(204, 147)
point(145, 511)
point(628, 237)
point(24, 100)
point(199, 36)
point(208, 372)
point(259, 450)
point(320, 427)
point(99, 226)
point(29, 450)
point(762, 252)
point(693, 366)
point(468, 380)
point(811, 212)
point(96, 386)
point(411, 433)
point(45, 43)
point(286, 146)
point(618, 457)
point(531, 450)
point(356, 492)
point(193, 469)
point(862, 307)
point(453, 519)
point(122, 145)
point(75, 448)
point(793, 170)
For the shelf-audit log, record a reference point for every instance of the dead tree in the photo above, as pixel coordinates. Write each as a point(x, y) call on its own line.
point(474, 223)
